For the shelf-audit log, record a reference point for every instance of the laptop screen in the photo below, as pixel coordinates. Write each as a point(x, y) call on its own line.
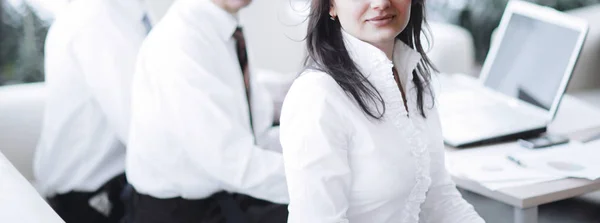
point(532, 59)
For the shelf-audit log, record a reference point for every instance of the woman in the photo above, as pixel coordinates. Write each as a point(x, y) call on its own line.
point(360, 133)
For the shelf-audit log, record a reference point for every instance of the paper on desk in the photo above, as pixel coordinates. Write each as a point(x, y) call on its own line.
point(506, 184)
point(494, 168)
point(496, 171)
point(571, 160)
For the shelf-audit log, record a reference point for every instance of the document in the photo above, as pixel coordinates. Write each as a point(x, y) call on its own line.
point(517, 183)
point(496, 171)
point(574, 159)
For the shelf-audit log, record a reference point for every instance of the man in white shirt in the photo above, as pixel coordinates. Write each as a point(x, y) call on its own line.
point(201, 145)
point(90, 57)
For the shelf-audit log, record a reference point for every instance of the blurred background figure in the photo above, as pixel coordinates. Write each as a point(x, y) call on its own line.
point(79, 163)
point(202, 147)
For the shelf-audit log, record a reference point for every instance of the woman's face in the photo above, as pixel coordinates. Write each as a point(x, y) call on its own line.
point(373, 21)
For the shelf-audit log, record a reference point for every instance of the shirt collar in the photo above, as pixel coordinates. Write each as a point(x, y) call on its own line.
point(133, 9)
point(369, 57)
point(223, 22)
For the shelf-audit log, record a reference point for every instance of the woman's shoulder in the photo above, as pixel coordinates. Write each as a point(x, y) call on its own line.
point(315, 98)
point(315, 82)
point(315, 89)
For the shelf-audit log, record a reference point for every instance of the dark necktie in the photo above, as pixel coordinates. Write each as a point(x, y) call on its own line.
point(147, 23)
point(238, 35)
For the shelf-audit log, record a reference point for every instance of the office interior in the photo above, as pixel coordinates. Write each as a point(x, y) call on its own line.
point(461, 35)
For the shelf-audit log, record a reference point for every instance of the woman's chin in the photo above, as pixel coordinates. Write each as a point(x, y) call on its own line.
point(384, 36)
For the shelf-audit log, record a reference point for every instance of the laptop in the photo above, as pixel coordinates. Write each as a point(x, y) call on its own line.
point(522, 81)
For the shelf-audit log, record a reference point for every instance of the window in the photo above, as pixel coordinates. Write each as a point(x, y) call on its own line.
point(482, 17)
point(22, 35)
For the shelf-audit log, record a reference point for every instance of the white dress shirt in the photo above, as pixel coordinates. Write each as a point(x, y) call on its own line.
point(190, 132)
point(343, 166)
point(90, 56)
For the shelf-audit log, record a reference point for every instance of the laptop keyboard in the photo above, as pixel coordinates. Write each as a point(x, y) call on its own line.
point(487, 115)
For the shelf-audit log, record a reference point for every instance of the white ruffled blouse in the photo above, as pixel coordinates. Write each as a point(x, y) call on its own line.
point(342, 166)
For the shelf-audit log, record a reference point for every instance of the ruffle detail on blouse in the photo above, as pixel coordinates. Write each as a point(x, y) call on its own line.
point(410, 128)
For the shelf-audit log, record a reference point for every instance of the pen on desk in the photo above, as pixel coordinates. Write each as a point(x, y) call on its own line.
point(591, 138)
point(515, 160)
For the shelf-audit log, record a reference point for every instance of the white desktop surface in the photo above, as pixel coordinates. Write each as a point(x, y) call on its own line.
point(19, 201)
point(575, 119)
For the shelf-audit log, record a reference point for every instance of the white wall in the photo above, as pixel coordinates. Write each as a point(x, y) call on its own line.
point(275, 33)
point(157, 8)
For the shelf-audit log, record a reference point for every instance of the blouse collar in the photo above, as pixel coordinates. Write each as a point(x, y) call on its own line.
point(368, 57)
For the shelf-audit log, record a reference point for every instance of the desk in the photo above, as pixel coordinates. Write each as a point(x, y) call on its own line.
point(575, 119)
point(19, 201)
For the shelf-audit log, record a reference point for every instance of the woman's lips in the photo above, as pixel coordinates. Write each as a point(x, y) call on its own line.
point(381, 20)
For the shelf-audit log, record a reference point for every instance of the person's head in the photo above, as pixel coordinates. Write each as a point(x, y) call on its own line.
point(373, 21)
point(232, 6)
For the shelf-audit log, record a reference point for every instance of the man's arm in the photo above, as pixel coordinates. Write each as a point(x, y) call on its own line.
point(107, 66)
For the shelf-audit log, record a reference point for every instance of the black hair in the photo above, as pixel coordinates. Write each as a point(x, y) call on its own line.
point(327, 53)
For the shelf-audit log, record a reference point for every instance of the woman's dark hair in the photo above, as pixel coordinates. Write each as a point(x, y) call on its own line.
point(327, 53)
